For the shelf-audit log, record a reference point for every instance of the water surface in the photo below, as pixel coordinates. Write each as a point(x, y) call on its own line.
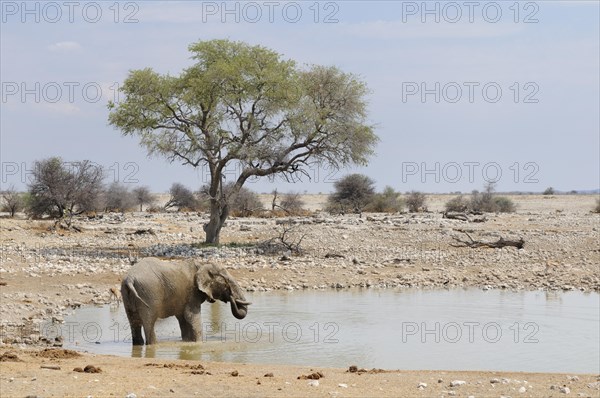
point(414, 329)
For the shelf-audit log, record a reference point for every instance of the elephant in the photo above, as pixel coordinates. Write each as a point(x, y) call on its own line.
point(155, 289)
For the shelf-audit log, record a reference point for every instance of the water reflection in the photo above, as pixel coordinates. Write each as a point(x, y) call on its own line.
point(394, 329)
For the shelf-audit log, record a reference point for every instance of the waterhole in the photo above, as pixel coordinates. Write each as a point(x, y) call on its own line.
point(407, 329)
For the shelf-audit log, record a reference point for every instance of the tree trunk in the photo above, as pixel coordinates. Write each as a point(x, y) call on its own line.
point(218, 216)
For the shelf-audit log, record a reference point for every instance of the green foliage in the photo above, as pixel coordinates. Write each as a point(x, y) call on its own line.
point(415, 201)
point(351, 194)
point(246, 105)
point(388, 201)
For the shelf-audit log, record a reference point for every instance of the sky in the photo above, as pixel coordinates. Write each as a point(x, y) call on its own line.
point(462, 93)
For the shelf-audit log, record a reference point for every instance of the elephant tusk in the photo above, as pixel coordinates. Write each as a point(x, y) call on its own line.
point(242, 302)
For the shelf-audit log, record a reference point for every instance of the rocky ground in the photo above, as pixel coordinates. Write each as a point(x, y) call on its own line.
point(44, 274)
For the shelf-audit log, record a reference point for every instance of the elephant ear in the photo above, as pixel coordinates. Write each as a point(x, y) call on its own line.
point(205, 282)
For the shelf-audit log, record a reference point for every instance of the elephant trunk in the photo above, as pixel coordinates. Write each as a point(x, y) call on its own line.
point(239, 308)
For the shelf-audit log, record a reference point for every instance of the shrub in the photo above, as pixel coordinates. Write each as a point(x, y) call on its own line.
point(388, 201)
point(504, 204)
point(292, 203)
point(416, 201)
point(118, 198)
point(490, 203)
point(351, 193)
point(597, 208)
point(245, 203)
point(182, 198)
point(457, 204)
point(549, 191)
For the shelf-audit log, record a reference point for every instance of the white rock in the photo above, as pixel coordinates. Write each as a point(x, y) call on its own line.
point(422, 386)
point(343, 385)
point(456, 383)
point(313, 383)
point(522, 390)
point(131, 395)
point(565, 390)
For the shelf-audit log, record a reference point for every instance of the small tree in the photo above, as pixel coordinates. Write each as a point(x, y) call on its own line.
point(13, 201)
point(143, 196)
point(118, 198)
point(182, 198)
point(388, 201)
point(61, 189)
point(351, 193)
point(416, 202)
point(549, 191)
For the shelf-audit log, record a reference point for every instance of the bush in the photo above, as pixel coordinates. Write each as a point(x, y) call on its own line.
point(388, 201)
point(118, 198)
point(416, 202)
point(549, 191)
point(61, 189)
point(292, 203)
point(182, 198)
point(457, 204)
point(351, 193)
point(504, 204)
point(488, 202)
point(245, 203)
point(12, 201)
point(597, 208)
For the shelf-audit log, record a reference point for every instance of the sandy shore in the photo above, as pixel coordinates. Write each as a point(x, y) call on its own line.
point(44, 274)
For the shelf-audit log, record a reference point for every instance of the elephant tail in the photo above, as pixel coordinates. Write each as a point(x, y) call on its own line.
point(129, 284)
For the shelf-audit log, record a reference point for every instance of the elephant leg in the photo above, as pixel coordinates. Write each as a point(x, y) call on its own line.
point(192, 317)
point(186, 330)
point(149, 330)
point(135, 325)
point(136, 334)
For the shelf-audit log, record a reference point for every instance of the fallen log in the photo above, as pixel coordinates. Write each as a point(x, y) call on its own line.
point(501, 242)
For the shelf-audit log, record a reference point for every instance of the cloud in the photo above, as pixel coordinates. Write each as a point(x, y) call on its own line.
point(64, 46)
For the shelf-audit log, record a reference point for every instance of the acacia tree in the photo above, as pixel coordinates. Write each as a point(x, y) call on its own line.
point(245, 104)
